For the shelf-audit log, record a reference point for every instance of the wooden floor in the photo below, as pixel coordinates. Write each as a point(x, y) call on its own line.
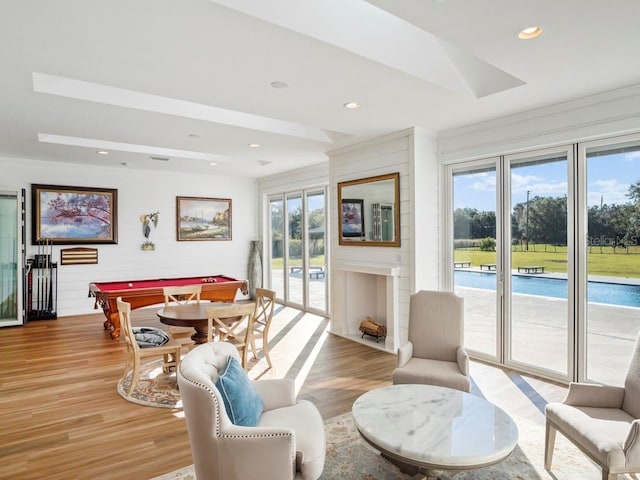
point(62, 418)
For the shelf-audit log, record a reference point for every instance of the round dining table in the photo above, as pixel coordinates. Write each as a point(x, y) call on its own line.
point(191, 315)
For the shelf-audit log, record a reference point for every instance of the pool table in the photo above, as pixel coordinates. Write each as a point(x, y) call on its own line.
point(141, 293)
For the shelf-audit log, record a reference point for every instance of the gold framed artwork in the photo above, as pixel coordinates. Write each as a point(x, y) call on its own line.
point(64, 215)
point(203, 219)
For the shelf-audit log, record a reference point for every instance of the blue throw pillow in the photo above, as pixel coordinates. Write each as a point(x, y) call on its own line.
point(241, 401)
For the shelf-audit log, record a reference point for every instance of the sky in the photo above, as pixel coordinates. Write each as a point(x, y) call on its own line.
point(608, 179)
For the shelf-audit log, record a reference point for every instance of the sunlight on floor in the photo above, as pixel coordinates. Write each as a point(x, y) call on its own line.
point(295, 339)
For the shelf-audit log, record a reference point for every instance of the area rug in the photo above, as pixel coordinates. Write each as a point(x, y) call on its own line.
point(154, 388)
point(350, 458)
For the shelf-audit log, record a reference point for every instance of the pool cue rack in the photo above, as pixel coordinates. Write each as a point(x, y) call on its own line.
point(42, 285)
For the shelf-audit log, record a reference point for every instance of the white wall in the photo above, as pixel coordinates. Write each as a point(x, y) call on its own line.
point(412, 153)
point(616, 112)
point(141, 192)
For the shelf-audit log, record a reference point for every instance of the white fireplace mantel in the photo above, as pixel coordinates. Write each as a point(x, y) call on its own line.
point(363, 290)
point(386, 270)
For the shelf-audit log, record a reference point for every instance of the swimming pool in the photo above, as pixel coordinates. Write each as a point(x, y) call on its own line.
point(598, 292)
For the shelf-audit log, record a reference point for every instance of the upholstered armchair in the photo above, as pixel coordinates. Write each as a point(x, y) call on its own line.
point(434, 354)
point(287, 442)
point(602, 421)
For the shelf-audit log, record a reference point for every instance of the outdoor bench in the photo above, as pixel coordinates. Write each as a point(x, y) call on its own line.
point(487, 266)
point(531, 269)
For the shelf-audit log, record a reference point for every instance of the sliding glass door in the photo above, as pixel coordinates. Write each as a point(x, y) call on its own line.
point(475, 256)
point(276, 244)
point(611, 306)
point(298, 256)
point(294, 249)
point(545, 250)
point(11, 259)
point(538, 303)
point(316, 234)
point(511, 260)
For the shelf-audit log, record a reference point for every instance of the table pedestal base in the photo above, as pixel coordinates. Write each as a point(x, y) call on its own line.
point(429, 473)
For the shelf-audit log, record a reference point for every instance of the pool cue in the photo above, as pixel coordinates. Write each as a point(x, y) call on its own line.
point(46, 276)
point(37, 263)
point(41, 292)
point(50, 301)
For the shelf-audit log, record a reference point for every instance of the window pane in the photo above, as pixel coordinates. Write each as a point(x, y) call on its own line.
point(613, 260)
point(317, 245)
point(277, 246)
point(294, 248)
point(8, 257)
point(474, 237)
point(539, 314)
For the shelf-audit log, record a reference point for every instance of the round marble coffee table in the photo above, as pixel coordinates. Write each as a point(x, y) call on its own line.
point(429, 429)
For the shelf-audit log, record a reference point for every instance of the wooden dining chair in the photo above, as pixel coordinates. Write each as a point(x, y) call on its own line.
point(170, 351)
point(181, 295)
point(234, 324)
point(262, 316)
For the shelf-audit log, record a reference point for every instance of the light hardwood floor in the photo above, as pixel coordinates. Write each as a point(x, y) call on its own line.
point(62, 418)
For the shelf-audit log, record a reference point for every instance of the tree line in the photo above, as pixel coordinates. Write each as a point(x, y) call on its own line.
point(316, 222)
point(544, 220)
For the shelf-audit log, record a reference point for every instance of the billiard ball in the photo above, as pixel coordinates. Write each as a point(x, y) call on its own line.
point(131, 284)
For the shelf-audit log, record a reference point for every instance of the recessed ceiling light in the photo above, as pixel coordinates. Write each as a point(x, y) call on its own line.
point(254, 145)
point(213, 164)
point(279, 84)
point(194, 135)
point(102, 152)
point(352, 105)
point(529, 33)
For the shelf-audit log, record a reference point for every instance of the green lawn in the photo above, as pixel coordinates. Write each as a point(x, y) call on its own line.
point(554, 259)
point(277, 263)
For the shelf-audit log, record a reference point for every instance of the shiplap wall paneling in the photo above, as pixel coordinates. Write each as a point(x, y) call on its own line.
point(142, 192)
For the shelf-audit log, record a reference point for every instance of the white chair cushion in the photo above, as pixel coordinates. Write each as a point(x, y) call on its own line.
point(305, 420)
point(599, 431)
point(432, 372)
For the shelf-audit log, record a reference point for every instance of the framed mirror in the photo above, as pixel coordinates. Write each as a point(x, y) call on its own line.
point(369, 211)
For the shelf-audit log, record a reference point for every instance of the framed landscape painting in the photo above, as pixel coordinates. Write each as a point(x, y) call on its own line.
point(200, 218)
point(63, 215)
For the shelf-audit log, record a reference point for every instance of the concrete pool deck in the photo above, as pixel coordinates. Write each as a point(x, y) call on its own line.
point(540, 328)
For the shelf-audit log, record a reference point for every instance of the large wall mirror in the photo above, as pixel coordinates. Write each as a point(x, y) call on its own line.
point(369, 211)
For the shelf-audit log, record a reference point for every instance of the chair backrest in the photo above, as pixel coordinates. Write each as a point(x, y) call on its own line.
point(436, 324)
point(182, 294)
point(203, 406)
point(220, 318)
point(631, 403)
point(265, 304)
point(124, 312)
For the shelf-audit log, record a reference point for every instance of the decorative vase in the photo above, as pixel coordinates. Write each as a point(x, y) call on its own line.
point(255, 268)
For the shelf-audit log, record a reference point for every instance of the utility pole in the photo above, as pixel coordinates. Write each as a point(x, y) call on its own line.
point(526, 229)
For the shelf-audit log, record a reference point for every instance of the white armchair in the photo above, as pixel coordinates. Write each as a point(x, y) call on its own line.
point(434, 354)
point(288, 441)
point(603, 421)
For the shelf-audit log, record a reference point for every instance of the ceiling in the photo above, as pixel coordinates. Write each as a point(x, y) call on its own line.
point(190, 80)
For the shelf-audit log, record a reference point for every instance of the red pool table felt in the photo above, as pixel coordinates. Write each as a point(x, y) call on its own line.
point(142, 293)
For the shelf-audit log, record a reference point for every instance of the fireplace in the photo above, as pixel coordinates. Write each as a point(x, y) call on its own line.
point(365, 290)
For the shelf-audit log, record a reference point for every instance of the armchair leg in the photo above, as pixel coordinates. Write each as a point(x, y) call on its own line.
point(549, 443)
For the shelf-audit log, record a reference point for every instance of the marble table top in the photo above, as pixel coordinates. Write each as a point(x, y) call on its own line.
point(435, 427)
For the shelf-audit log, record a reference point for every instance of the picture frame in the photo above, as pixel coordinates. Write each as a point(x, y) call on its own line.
point(352, 218)
point(66, 215)
point(203, 219)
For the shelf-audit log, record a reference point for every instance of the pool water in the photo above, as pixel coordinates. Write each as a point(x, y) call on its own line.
point(598, 292)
